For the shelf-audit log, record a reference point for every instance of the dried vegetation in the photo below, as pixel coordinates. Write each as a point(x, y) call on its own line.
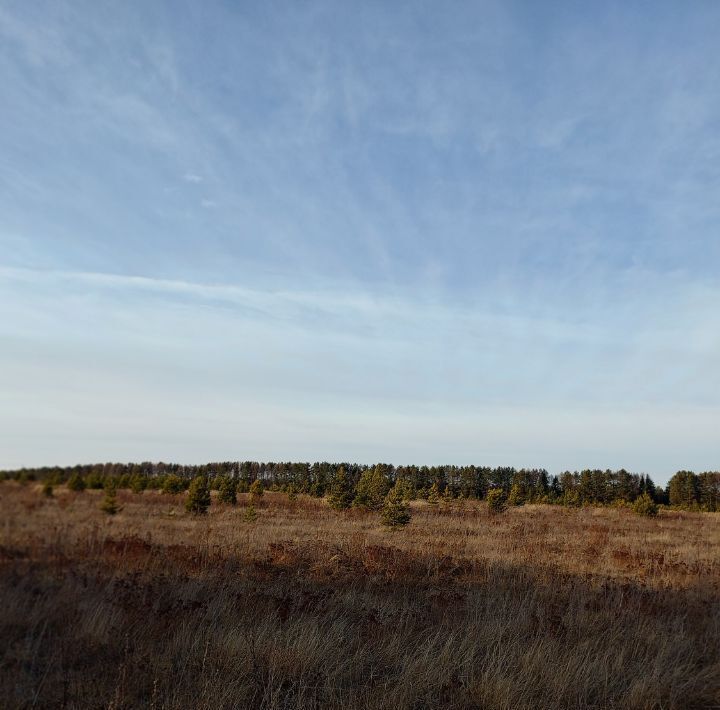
point(306, 607)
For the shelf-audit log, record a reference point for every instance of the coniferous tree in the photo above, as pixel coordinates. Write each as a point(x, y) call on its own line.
point(645, 505)
point(227, 490)
point(371, 489)
point(395, 510)
point(76, 483)
point(341, 490)
point(198, 498)
point(173, 484)
point(250, 516)
point(496, 500)
point(433, 495)
point(708, 491)
point(683, 489)
point(256, 489)
point(138, 483)
point(109, 503)
point(47, 489)
point(516, 496)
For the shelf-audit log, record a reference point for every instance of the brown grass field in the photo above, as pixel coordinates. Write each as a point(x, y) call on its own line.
point(539, 607)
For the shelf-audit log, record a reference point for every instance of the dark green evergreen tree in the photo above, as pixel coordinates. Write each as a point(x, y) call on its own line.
point(341, 490)
point(227, 490)
point(198, 498)
point(371, 489)
point(395, 510)
point(76, 483)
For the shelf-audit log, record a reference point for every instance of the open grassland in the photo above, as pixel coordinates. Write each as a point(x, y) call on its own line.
point(539, 607)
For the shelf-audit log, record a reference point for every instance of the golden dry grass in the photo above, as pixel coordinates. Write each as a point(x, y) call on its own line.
point(540, 607)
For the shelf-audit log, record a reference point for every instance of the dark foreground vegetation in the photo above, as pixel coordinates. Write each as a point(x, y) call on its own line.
point(302, 606)
point(685, 490)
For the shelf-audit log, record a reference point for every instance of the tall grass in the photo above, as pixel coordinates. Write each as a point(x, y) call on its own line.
point(538, 607)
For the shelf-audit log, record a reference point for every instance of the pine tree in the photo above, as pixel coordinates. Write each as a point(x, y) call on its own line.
point(516, 496)
point(405, 488)
point(76, 483)
point(341, 491)
point(433, 495)
point(198, 499)
point(496, 500)
point(371, 489)
point(256, 489)
point(291, 493)
point(173, 484)
point(47, 489)
point(138, 483)
point(250, 516)
point(227, 490)
point(645, 505)
point(109, 503)
point(395, 510)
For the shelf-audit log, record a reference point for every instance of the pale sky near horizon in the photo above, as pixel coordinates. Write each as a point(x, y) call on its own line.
point(413, 232)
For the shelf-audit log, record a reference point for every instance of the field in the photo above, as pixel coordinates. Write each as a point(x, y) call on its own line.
point(306, 607)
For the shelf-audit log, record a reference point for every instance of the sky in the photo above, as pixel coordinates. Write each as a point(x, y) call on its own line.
point(411, 232)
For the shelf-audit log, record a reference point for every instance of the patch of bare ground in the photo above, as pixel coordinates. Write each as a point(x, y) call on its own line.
point(540, 607)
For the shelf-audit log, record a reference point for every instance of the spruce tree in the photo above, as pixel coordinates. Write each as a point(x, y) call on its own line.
point(395, 510)
point(198, 499)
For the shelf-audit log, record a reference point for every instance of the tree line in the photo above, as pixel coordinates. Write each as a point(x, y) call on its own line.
point(685, 489)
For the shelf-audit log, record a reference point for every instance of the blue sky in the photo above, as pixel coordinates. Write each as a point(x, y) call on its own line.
point(415, 232)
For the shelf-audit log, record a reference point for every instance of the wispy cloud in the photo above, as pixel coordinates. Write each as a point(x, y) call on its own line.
point(391, 210)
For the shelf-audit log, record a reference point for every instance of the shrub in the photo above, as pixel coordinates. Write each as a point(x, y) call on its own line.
point(395, 510)
point(645, 505)
point(76, 483)
point(47, 489)
point(496, 500)
point(227, 490)
point(198, 499)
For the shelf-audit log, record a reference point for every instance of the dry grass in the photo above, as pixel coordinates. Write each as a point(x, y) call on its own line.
point(541, 607)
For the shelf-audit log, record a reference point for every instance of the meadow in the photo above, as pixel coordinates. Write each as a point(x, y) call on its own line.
point(308, 607)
